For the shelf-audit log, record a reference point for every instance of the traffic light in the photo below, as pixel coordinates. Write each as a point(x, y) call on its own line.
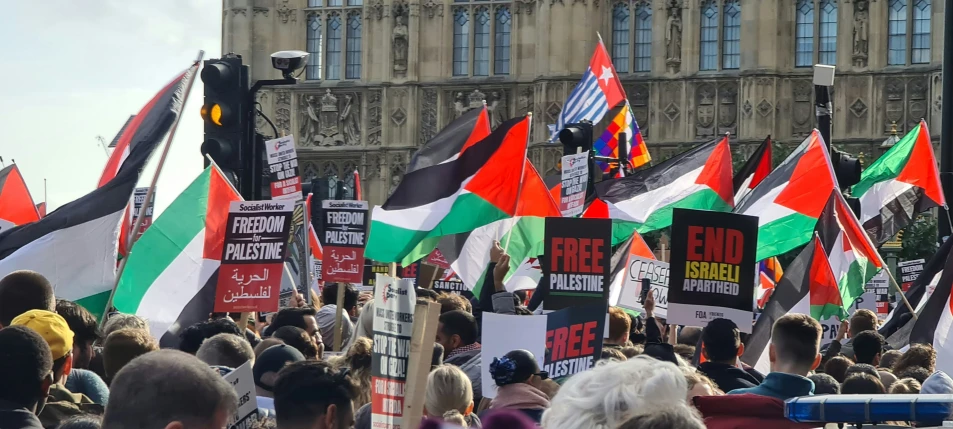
point(847, 169)
point(228, 139)
point(575, 136)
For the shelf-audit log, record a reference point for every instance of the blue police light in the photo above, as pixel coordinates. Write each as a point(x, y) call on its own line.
point(869, 408)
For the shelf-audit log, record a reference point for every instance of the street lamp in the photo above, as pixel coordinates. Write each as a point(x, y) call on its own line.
point(890, 141)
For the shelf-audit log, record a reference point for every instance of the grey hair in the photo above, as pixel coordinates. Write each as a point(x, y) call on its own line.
point(123, 321)
point(448, 389)
point(225, 350)
point(609, 394)
point(167, 386)
point(676, 417)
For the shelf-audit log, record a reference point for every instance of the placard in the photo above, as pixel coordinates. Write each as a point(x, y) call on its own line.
point(712, 268)
point(574, 339)
point(345, 234)
point(449, 286)
point(658, 274)
point(576, 261)
point(253, 256)
point(575, 180)
point(243, 381)
point(283, 169)
point(437, 259)
point(138, 201)
point(297, 245)
point(878, 291)
point(908, 271)
point(394, 302)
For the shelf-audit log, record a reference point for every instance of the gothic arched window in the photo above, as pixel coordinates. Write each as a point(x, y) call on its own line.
point(620, 37)
point(804, 34)
point(482, 32)
point(334, 39)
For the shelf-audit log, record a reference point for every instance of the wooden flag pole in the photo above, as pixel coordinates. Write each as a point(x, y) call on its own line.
point(426, 317)
point(339, 318)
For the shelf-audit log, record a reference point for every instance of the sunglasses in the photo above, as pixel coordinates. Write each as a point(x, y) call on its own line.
point(542, 375)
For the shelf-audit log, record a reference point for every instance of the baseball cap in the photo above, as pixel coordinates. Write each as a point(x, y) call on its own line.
point(52, 327)
point(272, 360)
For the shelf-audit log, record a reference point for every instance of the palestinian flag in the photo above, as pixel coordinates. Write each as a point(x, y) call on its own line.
point(900, 322)
point(75, 246)
point(478, 187)
point(469, 253)
point(463, 132)
point(41, 209)
point(171, 273)
point(634, 246)
point(789, 201)
point(852, 257)
point(146, 129)
point(901, 183)
point(755, 170)
point(317, 251)
point(16, 204)
point(697, 179)
point(934, 325)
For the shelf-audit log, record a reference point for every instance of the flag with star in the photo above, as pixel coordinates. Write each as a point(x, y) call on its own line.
point(599, 90)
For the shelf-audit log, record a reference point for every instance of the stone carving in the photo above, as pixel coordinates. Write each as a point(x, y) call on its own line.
point(671, 112)
point(239, 10)
point(858, 108)
point(400, 37)
point(917, 103)
point(746, 108)
point(374, 118)
point(705, 110)
point(727, 108)
point(893, 106)
point(309, 170)
point(261, 98)
point(673, 36)
point(283, 110)
point(286, 13)
point(330, 121)
point(803, 108)
point(398, 164)
point(497, 108)
point(376, 9)
point(260, 11)
point(433, 8)
point(373, 166)
point(861, 32)
point(525, 101)
point(525, 6)
point(428, 115)
point(640, 107)
point(553, 112)
point(765, 108)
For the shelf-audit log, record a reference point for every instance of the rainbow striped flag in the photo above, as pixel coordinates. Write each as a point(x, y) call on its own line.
point(608, 142)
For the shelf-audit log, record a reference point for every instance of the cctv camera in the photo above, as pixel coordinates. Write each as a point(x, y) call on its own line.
point(289, 62)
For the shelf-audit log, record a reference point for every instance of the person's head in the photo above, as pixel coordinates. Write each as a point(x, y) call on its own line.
point(226, 350)
point(86, 421)
point(436, 358)
point(298, 317)
point(124, 321)
point(862, 384)
point(861, 368)
point(631, 352)
point(917, 373)
point(299, 339)
point(721, 341)
point(612, 354)
point(55, 331)
point(329, 296)
point(689, 335)
point(312, 394)
point(22, 291)
point(456, 329)
point(452, 301)
point(889, 358)
point(359, 356)
point(610, 393)
point(824, 384)
point(193, 336)
point(677, 417)
point(619, 326)
point(905, 386)
point(124, 345)
point(698, 384)
point(922, 355)
point(837, 367)
point(26, 367)
point(795, 344)
point(85, 331)
point(868, 346)
point(269, 363)
point(517, 366)
point(448, 388)
point(937, 383)
point(862, 320)
point(684, 351)
point(168, 389)
point(265, 345)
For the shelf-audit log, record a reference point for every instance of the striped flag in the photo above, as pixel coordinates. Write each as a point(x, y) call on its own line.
point(770, 273)
point(16, 204)
point(608, 143)
point(934, 325)
point(755, 170)
point(599, 90)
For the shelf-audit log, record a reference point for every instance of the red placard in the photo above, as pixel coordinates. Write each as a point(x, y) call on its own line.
point(343, 264)
point(436, 259)
point(344, 238)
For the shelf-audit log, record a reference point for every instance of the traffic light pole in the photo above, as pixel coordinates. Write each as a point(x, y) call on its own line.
point(255, 168)
point(946, 127)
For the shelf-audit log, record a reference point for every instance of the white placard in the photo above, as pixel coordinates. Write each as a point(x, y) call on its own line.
point(657, 273)
point(243, 380)
point(575, 180)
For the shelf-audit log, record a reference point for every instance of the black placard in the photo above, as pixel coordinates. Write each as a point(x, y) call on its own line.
point(576, 261)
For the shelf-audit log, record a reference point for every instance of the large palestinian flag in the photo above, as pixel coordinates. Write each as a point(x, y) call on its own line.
point(463, 132)
point(934, 325)
point(171, 273)
point(16, 204)
point(478, 187)
point(697, 179)
point(898, 185)
point(469, 253)
point(789, 201)
point(755, 170)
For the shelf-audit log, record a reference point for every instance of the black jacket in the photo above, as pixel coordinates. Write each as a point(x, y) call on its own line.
point(729, 377)
point(13, 416)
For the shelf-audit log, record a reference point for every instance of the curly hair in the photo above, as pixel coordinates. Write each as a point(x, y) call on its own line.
point(358, 359)
point(922, 355)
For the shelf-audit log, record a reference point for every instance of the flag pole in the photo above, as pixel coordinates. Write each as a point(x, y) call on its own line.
point(519, 191)
point(155, 179)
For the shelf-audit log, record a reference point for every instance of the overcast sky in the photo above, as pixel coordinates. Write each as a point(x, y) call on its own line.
point(75, 70)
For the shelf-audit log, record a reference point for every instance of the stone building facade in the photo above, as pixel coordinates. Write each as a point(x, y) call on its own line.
point(386, 75)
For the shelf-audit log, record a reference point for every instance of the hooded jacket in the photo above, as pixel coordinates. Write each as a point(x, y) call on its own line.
point(745, 412)
point(730, 377)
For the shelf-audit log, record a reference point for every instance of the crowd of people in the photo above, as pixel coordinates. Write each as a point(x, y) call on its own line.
point(58, 369)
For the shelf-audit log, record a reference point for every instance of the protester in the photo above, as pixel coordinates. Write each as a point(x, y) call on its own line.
point(612, 354)
point(721, 347)
point(937, 384)
point(861, 368)
point(265, 345)
point(684, 351)
point(824, 384)
point(794, 353)
point(862, 320)
point(905, 385)
point(299, 339)
point(448, 389)
point(362, 417)
point(699, 384)
point(452, 301)
point(226, 350)
point(122, 346)
point(193, 336)
point(61, 403)
point(326, 316)
point(312, 395)
point(675, 418)
point(26, 366)
point(631, 352)
point(117, 321)
point(619, 327)
point(88, 383)
point(611, 393)
point(457, 332)
point(364, 328)
point(508, 419)
point(168, 389)
point(265, 371)
point(519, 384)
point(85, 331)
point(890, 358)
point(689, 335)
point(837, 367)
point(862, 384)
point(918, 373)
point(22, 291)
point(82, 422)
point(921, 355)
point(358, 360)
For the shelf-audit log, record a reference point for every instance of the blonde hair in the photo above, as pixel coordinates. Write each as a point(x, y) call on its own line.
point(454, 417)
point(448, 388)
point(905, 385)
point(358, 359)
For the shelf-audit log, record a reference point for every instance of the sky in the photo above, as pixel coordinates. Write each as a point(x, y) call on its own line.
point(75, 70)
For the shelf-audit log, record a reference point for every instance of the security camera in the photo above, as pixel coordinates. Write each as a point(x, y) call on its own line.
point(289, 62)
